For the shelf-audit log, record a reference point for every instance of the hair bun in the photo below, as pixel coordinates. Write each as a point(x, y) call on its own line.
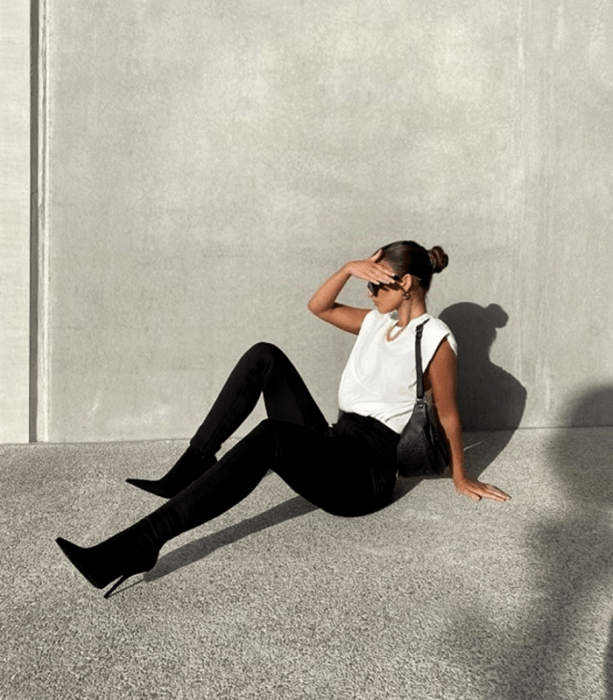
point(438, 258)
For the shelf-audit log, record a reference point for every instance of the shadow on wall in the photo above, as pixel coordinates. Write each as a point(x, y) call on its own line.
point(489, 398)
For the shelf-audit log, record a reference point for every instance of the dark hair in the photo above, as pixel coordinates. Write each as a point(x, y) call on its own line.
point(410, 258)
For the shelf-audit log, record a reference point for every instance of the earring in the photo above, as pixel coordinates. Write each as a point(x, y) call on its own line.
point(406, 295)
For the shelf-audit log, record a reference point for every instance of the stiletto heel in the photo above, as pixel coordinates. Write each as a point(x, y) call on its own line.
point(115, 585)
point(188, 468)
point(128, 553)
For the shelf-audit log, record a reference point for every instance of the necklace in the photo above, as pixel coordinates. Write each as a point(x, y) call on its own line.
point(389, 337)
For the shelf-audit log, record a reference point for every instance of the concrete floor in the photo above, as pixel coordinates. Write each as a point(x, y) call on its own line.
point(433, 597)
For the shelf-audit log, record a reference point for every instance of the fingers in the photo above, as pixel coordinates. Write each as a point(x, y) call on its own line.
point(495, 493)
point(383, 274)
point(477, 490)
point(372, 272)
point(491, 492)
point(377, 258)
point(373, 269)
point(380, 275)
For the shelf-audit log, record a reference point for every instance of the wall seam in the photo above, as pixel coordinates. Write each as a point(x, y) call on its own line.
point(33, 320)
point(41, 229)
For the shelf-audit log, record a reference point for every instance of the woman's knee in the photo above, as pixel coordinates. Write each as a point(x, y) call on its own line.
point(264, 442)
point(282, 441)
point(264, 351)
point(265, 431)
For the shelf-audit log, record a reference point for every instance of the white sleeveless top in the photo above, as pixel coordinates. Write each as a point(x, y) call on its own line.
point(380, 378)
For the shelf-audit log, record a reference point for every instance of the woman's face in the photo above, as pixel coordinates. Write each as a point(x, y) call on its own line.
point(387, 297)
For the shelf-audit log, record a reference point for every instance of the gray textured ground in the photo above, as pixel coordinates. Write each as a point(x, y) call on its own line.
point(434, 597)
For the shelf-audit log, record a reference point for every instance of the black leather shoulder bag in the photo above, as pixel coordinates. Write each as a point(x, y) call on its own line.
point(421, 448)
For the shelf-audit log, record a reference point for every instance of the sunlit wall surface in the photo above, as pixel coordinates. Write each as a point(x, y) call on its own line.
point(211, 163)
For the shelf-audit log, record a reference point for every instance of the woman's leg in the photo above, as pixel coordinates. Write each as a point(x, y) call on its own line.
point(264, 370)
point(341, 475)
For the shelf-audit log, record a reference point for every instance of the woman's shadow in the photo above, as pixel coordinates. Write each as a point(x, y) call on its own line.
point(489, 398)
point(201, 548)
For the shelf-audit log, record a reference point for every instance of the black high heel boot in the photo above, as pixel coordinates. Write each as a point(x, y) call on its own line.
point(132, 551)
point(188, 468)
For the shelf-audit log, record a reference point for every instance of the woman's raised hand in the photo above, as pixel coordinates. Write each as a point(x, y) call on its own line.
point(476, 490)
point(371, 269)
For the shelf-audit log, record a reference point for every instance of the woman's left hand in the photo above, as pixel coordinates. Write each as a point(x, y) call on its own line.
point(476, 490)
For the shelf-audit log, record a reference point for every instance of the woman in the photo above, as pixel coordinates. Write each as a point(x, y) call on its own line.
point(349, 469)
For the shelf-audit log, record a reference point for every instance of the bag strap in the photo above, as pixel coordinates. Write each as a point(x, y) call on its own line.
point(418, 367)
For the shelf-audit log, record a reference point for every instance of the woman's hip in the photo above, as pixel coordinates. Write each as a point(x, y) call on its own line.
point(344, 472)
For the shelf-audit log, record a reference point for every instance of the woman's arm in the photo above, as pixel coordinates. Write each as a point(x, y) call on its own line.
point(348, 318)
point(442, 379)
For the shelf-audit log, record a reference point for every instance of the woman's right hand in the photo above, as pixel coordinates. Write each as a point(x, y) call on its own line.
point(476, 490)
point(371, 269)
point(348, 318)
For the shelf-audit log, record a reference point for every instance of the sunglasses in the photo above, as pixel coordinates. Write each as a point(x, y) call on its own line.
point(374, 288)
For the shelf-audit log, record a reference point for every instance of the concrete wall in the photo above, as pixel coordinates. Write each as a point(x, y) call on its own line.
point(212, 162)
point(14, 222)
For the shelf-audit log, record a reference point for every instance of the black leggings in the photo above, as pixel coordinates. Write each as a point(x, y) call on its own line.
point(348, 469)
